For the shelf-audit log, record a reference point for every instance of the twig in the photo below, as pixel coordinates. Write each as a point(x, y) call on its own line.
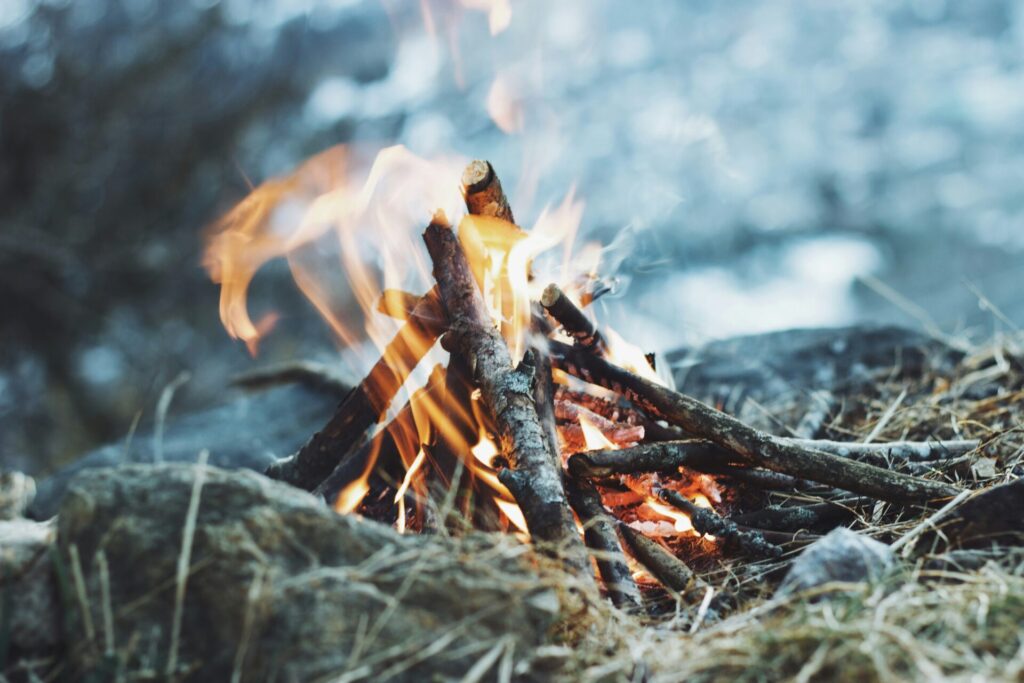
point(796, 517)
point(911, 536)
point(507, 393)
point(672, 572)
point(754, 446)
point(707, 522)
point(663, 456)
point(599, 532)
point(364, 406)
point(483, 193)
point(574, 321)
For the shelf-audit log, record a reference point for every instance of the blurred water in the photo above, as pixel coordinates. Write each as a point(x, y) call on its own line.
point(753, 164)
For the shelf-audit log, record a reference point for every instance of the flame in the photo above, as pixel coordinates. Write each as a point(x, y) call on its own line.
point(504, 105)
point(680, 520)
point(593, 437)
point(514, 515)
point(400, 493)
point(499, 13)
point(352, 495)
point(485, 450)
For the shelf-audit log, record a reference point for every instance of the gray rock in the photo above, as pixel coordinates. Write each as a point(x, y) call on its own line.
point(17, 491)
point(28, 585)
point(250, 431)
point(841, 556)
point(282, 587)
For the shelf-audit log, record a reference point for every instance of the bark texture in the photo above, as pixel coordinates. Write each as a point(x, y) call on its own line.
point(754, 446)
point(507, 392)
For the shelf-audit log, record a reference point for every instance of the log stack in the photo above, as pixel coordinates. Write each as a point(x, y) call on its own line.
point(657, 442)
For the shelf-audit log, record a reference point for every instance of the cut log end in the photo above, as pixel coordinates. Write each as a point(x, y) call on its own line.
point(483, 193)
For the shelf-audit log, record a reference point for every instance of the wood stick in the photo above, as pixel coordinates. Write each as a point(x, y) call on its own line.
point(599, 534)
point(903, 450)
point(665, 456)
point(705, 521)
point(672, 572)
point(574, 321)
point(796, 517)
point(754, 446)
point(507, 392)
point(482, 191)
point(382, 452)
point(364, 406)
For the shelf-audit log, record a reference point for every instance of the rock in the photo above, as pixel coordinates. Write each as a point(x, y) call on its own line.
point(284, 588)
point(778, 370)
point(249, 431)
point(989, 517)
point(840, 556)
point(28, 585)
point(17, 491)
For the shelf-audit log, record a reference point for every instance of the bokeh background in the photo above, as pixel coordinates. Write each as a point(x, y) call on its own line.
point(752, 165)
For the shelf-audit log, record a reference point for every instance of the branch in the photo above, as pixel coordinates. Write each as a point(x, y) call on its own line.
point(508, 393)
point(574, 321)
point(600, 536)
point(483, 193)
point(364, 406)
point(754, 446)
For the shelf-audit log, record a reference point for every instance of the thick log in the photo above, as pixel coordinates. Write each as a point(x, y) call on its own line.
point(672, 572)
point(574, 321)
point(705, 521)
point(507, 393)
point(482, 191)
point(364, 406)
point(600, 536)
point(757, 448)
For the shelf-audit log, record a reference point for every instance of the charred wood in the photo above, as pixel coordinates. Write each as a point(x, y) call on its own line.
point(705, 521)
point(574, 321)
point(671, 571)
point(507, 393)
point(754, 446)
point(364, 406)
point(600, 536)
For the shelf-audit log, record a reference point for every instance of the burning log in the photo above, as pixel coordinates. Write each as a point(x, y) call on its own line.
point(364, 407)
point(705, 521)
point(795, 517)
point(574, 438)
point(483, 193)
point(600, 536)
point(507, 392)
point(672, 572)
point(574, 321)
point(666, 457)
point(752, 445)
point(383, 451)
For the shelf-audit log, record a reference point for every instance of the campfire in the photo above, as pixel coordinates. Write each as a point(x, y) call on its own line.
point(497, 403)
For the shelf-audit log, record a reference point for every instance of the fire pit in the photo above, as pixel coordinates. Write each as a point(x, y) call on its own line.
point(535, 421)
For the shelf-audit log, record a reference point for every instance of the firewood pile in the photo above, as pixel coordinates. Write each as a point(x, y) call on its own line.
point(592, 459)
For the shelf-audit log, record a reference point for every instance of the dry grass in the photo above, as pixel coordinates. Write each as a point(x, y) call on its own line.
point(947, 616)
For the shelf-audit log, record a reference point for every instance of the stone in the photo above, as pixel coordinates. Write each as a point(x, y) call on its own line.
point(28, 585)
point(17, 491)
point(842, 556)
point(281, 587)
